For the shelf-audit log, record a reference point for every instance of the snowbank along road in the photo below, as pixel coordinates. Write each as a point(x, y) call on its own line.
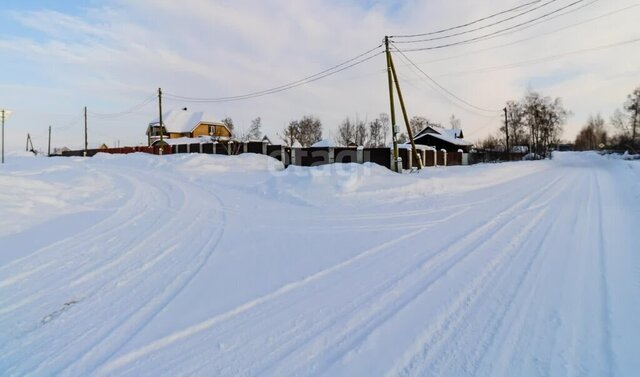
point(214, 265)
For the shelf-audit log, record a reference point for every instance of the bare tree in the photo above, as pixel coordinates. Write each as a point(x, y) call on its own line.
point(491, 142)
point(386, 127)
point(517, 127)
point(592, 134)
point(417, 124)
point(361, 134)
point(309, 130)
point(376, 134)
point(543, 117)
point(289, 134)
point(346, 132)
point(254, 130)
point(228, 122)
point(632, 107)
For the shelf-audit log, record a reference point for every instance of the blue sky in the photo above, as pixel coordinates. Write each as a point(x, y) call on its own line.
point(109, 55)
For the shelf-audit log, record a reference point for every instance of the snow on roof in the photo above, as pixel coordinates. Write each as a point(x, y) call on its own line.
point(446, 134)
point(182, 121)
point(418, 146)
point(324, 143)
point(185, 140)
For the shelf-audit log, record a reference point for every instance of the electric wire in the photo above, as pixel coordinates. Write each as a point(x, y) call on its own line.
point(481, 27)
point(119, 114)
point(450, 93)
point(359, 59)
point(545, 58)
point(466, 24)
point(532, 37)
point(494, 33)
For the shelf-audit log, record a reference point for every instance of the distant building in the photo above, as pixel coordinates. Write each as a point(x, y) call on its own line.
point(448, 139)
point(184, 123)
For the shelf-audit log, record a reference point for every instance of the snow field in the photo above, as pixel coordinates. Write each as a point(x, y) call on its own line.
point(215, 265)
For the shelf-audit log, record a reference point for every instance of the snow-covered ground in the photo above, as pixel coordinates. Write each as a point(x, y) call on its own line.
point(228, 266)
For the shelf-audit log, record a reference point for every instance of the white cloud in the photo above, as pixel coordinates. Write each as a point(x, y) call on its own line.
point(113, 56)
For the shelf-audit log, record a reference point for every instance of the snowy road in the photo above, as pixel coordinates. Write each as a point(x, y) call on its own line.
point(210, 265)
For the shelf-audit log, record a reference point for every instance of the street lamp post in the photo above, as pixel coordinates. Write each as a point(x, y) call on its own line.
point(4, 114)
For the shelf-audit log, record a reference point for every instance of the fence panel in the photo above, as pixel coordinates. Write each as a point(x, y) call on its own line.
point(345, 155)
point(275, 151)
point(254, 147)
point(441, 158)
point(312, 156)
point(454, 158)
point(380, 156)
point(207, 148)
point(430, 159)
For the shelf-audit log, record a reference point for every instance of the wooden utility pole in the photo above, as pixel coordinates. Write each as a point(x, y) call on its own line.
point(394, 128)
point(506, 130)
point(49, 143)
point(416, 156)
point(86, 143)
point(3, 136)
point(160, 120)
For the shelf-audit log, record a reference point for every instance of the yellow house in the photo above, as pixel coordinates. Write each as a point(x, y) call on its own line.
point(187, 124)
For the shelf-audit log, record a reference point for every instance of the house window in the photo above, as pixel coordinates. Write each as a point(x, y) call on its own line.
point(212, 130)
point(155, 131)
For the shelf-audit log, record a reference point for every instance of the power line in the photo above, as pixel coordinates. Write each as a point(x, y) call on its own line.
point(535, 36)
point(466, 24)
point(545, 58)
point(481, 27)
point(361, 58)
point(450, 93)
point(131, 110)
point(498, 32)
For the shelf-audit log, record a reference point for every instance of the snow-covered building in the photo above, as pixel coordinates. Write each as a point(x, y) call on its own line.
point(443, 138)
point(187, 124)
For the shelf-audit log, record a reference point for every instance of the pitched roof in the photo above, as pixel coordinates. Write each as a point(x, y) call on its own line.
point(446, 134)
point(182, 121)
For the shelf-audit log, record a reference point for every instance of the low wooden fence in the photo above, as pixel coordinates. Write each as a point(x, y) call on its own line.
point(295, 156)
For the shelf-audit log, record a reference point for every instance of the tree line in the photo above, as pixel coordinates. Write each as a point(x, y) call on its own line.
point(308, 130)
point(625, 123)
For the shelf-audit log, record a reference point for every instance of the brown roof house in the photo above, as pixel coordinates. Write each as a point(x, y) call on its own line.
point(180, 124)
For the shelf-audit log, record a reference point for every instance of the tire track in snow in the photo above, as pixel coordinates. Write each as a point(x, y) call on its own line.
point(432, 344)
point(133, 268)
point(127, 330)
point(201, 327)
point(604, 283)
point(320, 327)
point(351, 340)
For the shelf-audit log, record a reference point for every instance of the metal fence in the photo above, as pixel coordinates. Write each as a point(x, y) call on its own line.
point(296, 156)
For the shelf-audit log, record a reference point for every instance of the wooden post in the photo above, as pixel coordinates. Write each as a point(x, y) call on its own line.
point(49, 143)
point(160, 118)
point(506, 130)
point(86, 143)
point(394, 128)
point(404, 114)
point(3, 136)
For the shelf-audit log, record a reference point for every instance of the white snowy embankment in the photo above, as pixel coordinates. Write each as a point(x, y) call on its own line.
point(217, 265)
